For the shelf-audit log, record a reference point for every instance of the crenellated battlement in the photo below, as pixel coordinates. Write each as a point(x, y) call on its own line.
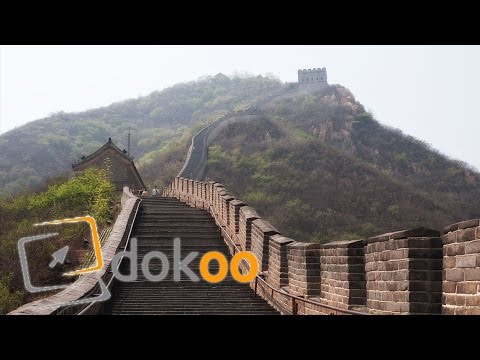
point(414, 271)
point(312, 70)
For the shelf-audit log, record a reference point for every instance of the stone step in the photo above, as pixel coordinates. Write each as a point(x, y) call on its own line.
point(158, 222)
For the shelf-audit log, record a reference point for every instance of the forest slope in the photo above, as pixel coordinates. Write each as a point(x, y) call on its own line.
point(320, 168)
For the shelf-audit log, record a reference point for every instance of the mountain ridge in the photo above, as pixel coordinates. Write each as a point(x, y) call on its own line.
point(372, 178)
point(156, 119)
point(430, 189)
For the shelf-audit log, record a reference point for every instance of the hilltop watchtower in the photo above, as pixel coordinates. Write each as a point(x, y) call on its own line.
point(313, 79)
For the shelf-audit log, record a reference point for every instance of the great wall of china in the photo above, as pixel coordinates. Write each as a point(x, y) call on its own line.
point(414, 271)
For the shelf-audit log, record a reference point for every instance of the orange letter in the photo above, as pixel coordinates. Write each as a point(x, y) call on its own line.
point(252, 260)
point(223, 266)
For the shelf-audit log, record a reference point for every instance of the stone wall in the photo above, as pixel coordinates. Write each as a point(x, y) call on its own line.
point(303, 268)
point(404, 272)
point(461, 269)
point(234, 223)
point(278, 261)
point(342, 274)
point(394, 273)
point(246, 217)
point(261, 233)
point(226, 199)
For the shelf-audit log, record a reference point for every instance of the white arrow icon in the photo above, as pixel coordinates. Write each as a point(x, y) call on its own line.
point(59, 257)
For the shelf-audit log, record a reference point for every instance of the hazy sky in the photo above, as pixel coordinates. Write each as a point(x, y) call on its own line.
point(430, 92)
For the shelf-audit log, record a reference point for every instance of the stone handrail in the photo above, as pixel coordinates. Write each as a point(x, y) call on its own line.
point(86, 283)
point(394, 273)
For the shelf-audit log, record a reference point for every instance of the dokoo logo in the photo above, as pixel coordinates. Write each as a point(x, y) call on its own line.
point(179, 265)
point(182, 265)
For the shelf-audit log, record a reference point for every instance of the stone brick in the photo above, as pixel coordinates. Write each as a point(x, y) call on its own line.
point(400, 296)
point(460, 311)
point(472, 247)
point(450, 299)
point(449, 250)
point(404, 307)
point(449, 262)
point(417, 232)
point(466, 261)
point(472, 274)
point(466, 235)
point(399, 243)
point(397, 254)
point(449, 287)
point(460, 300)
point(450, 228)
point(392, 286)
point(393, 307)
point(391, 265)
point(447, 310)
point(473, 300)
point(468, 224)
point(458, 249)
point(473, 311)
point(455, 274)
point(402, 285)
point(399, 275)
point(386, 276)
point(467, 288)
point(449, 238)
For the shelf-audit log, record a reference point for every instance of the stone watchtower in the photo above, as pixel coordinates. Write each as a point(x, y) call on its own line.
point(312, 79)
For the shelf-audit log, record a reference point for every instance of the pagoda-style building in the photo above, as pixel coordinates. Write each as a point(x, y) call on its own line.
point(118, 162)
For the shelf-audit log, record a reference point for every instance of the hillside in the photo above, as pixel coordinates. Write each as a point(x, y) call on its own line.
point(88, 193)
point(320, 168)
point(316, 165)
point(162, 124)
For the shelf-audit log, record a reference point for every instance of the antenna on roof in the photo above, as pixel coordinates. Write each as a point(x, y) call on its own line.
point(128, 147)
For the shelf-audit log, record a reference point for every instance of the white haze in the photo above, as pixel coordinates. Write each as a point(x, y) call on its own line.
point(430, 92)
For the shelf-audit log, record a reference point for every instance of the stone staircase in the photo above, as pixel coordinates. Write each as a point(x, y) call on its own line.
point(158, 222)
